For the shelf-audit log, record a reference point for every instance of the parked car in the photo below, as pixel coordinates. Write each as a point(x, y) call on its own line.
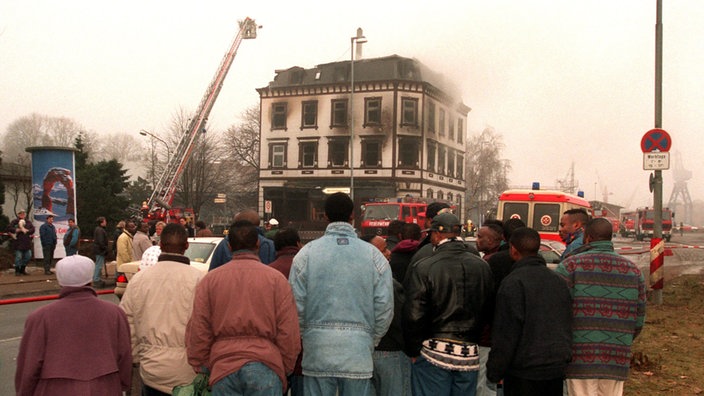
point(200, 252)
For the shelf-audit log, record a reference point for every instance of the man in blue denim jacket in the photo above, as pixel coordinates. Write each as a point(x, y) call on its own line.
point(344, 297)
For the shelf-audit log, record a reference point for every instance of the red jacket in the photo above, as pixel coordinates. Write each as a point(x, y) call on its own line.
point(243, 312)
point(78, 345)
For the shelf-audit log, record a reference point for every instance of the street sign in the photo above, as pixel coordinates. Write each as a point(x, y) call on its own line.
point(656, 161)
point(656, 140)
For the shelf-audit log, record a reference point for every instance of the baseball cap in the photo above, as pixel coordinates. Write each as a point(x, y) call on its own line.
point(274, 222)
point(445, 222)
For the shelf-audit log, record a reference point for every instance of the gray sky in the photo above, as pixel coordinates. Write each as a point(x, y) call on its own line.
point(561, 81)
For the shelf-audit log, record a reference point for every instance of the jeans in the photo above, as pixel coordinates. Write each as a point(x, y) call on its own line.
point(253, 379)
point(327, 386)
point(430, 380)
point(392, 373)
point(482, 389)
point(48, 252)
point(99, 262)
point(22, 257)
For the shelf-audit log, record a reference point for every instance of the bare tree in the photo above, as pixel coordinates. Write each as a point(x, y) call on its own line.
point(39, 130)
point(486, 173)
point(243, 139)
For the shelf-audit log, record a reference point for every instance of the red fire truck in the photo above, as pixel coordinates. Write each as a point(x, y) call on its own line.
point(645, 220)
point(628, 223)
point(377, 215)
point(539, 209)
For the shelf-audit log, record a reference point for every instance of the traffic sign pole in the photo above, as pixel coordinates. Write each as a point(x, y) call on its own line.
point(657, 188)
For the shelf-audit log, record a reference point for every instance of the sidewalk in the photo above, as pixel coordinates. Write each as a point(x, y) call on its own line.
point(37, 284)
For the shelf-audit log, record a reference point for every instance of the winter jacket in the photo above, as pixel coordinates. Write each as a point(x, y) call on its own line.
point(531, 333)
point(345, 303)
point(71, 240)
point(284, 259)
point(448, 295)
point(47, 235)
point(223, 254)
point(401, 257)
point(124, 248)
point(100, 241)
point(23, 240)
point(158, 302)
point(243, 312)
point(78, 345)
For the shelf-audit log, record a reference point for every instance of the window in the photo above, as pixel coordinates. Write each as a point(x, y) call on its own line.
point(441, 160)
point(451, 163)
point(460, 167)
point(278, 116)
point(441, 195)
point(451, 129)
point(371, 153)
point(431, 117)
point(441, 120)
point(410, 111)
point(339, 113)
point(429, 193)
point(277, 155)
point(309, 117)
point(337, 153)
point(431, 156)
point(449, 196)
point(460, 130)
point(372, 111)
point(408, 153)
point(308, 154)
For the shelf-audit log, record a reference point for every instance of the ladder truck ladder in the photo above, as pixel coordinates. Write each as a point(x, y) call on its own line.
point(164, 190)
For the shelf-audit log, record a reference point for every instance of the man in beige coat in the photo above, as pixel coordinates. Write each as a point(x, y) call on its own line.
point(158, 303)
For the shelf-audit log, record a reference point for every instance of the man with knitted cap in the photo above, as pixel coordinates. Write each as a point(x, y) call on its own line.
point(78, 345)
point(448, 299)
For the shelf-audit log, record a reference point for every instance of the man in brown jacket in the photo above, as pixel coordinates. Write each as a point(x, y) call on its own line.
point(244, 325)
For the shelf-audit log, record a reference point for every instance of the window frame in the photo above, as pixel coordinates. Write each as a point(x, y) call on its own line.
point(431, 117)
point(412, 120)
point(332, 143)
point(304, 113)
point(368, 111)
point(273, 155)
point(401, 152)
point(366, 143)
point(343, 120)
point(276, 113)
point(302, 153)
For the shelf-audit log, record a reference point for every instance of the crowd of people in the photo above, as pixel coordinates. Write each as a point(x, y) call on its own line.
point(419, 312)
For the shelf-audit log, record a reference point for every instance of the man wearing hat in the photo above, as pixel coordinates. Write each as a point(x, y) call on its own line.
point(272, 227)
point(21, 230)
point(449, 296)
point(78, 345)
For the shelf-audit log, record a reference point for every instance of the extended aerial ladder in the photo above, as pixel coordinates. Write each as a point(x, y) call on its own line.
point(164, 191)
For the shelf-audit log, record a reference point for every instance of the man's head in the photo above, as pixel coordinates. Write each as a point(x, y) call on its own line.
point(200, 224)
point(411, 231)
point(524, 242)
point(395, 228)
point(599, 229)
point(433, 210)
point(21, 214)
point(174, 239)
point(101, 221)
point(339, 207)
point(249, 215)
point(443, 226)
point(71, 222)
point(286, 237)
point(243, 235)
point(143, 227)
point(75, 271)
point(489, 237)
point(379, 243)
point(50, 219)
point(511, 225)
point(571, 221)
point(130, 227)
point(183, 221)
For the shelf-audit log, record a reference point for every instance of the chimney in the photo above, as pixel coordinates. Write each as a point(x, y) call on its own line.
point(360, 39)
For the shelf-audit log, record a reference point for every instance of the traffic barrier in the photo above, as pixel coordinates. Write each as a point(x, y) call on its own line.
point(44, 298)
point(657, 273)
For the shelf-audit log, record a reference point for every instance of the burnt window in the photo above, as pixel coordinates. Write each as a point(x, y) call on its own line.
point(338, 114)
point(278, 116)
point(371, 153)
point(309, 116)
point(441, 159)
point(372, 111)
point(308, 154)
point(451, 163)
point(410, 111)
point(431, 117)
point(337, 153)
point(277, 155)
point(408, 153)
point(460, 130)
point(431, 156)
point(451, 129)
point(460, 167)
point(429, 193)
point(441, 121)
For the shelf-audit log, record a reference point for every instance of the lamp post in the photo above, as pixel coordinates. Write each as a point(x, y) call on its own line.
point(359, 39)
point(154, 137)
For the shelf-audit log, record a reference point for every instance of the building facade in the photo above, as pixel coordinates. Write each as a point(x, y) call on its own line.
point(408, 139)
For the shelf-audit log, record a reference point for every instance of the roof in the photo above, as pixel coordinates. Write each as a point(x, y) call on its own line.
point(393, 67)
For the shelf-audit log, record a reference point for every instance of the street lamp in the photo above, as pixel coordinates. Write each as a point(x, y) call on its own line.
point(359, 39)
point(153, 137)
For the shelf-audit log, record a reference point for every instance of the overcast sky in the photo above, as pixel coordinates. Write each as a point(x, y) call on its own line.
point(562, 81)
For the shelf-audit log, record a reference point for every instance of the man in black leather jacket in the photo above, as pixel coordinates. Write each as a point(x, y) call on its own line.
point(448, 296)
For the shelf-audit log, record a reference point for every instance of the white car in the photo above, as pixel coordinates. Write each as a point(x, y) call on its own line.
point(200, 252)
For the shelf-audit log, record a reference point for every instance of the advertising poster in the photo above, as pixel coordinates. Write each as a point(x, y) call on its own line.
point(53, 188)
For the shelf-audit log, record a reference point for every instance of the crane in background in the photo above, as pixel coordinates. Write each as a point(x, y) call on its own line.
point(163, 195)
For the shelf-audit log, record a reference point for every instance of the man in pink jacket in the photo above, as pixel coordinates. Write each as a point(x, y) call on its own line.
point(244, 326)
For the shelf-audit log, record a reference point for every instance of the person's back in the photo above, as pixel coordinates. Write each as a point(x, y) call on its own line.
point(344, 296)
point(158, 302)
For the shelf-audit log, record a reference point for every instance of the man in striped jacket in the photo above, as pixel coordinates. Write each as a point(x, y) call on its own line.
point(608, 304)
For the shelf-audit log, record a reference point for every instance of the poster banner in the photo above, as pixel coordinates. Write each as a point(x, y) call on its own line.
point(53, 190)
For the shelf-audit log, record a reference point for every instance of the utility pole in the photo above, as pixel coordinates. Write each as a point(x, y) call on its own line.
point(657, 179)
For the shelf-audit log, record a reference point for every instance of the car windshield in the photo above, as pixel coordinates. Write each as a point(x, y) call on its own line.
point(381, 212)
point(199, 251)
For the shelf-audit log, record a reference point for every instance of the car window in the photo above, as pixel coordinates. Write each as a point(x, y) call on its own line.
point(199, 251)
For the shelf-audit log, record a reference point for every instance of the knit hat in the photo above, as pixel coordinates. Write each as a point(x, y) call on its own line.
point(445, 222)
point(150, 257)
point(75, 271)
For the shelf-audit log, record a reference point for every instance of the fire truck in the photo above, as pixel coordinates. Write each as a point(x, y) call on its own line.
point(645, 220)
point(628, 223)
point(158, 207)
point(539, 209)
point(377, 216)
